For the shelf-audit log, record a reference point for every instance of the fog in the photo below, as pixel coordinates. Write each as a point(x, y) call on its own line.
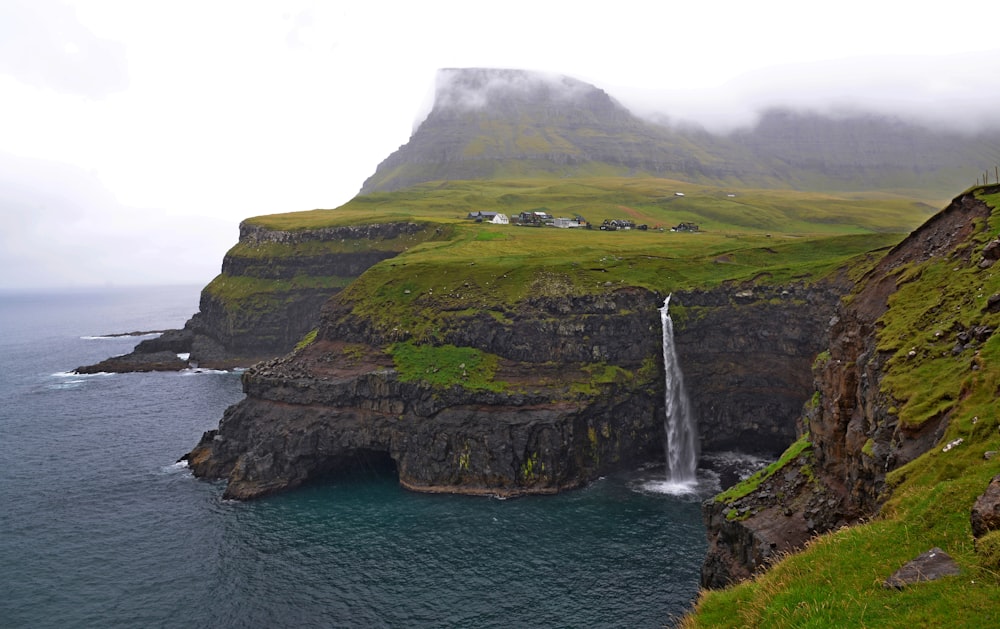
point(950, 92)
point(136, 136)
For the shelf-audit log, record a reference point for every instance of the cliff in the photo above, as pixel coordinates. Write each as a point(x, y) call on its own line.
point(562, 390)
point(905, 361)
point(269, 293)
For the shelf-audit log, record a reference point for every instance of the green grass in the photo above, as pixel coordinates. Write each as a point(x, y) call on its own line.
point(454, 267)
point(836, 581)
point(647, 200)
point(445, 366)
point(748, 485)
point(248, 290)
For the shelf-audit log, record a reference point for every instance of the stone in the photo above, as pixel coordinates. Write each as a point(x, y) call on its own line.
point(929, 566)
point(986, 510)
point(992, 250)
point(993, 303)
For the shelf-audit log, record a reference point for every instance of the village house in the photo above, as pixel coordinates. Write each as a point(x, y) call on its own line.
point(482, 216)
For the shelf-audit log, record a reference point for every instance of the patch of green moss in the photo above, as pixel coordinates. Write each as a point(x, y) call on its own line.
point(307, 340)
point(869, 448)
point(446, 365)
point(531, 469)
point(745, 487)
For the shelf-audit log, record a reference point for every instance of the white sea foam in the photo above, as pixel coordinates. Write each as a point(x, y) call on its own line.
point(670, 487)
point(111, 337)
point(176, 468)
point(73, 374)
point(705, 484)
point(196, 371)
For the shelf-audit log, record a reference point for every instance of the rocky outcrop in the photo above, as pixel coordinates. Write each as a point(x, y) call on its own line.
point(985, 516)
point(851, 425)
point(929, 566)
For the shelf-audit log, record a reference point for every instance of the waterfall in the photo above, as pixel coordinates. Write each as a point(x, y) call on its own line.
point(678, 422)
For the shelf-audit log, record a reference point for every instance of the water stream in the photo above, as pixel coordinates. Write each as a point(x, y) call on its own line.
point(679, 422)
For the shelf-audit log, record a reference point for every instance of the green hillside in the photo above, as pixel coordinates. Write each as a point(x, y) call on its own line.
point(511, 124)
point(765, 236)
point(837, 580)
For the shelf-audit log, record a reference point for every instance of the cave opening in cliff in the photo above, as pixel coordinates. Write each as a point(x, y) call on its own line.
point(358, 464)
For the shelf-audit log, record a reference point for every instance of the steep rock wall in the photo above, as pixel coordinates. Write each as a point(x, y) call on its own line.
point(854, 436)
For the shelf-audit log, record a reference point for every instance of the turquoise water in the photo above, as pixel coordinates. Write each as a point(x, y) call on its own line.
point(99, 526)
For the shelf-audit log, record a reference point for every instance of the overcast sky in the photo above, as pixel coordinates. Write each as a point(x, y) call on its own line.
point(136, 135)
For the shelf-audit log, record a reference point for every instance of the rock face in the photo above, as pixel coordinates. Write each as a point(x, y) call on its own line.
point(339, 402)
point(986, 512)
point(855, 436)
point(269, 295)
point(746, 353)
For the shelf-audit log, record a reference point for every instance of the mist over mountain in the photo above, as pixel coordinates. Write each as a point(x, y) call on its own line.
point(495, 123)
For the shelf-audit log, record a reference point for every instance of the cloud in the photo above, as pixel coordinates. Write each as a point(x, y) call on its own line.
point(44, 44)
point(62, 224)
point(951, 91)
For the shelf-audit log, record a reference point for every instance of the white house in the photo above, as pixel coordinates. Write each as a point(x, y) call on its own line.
point(500, 219)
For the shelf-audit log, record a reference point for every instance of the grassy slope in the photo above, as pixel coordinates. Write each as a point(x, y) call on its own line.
point(836, 581)
point(646, 200)
point(774, 236)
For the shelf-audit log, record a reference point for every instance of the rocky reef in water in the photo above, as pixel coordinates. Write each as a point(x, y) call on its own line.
point(851, 437)
point(553, 424)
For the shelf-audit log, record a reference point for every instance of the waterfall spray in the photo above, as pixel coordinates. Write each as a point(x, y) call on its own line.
point(679, 423)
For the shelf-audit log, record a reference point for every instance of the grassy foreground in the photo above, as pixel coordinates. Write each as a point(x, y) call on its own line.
point(837, 580)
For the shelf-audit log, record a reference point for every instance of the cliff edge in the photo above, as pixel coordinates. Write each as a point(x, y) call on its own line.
point(908, 352)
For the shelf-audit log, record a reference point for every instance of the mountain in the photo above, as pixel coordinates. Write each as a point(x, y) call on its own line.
point(495, 123)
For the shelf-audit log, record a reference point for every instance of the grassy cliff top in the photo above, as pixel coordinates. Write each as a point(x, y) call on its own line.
point(644, 200)
point(771, 236)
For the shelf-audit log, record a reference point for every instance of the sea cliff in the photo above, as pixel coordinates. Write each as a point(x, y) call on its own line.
point(269, 294)
point(576, 391)
point(863, 424)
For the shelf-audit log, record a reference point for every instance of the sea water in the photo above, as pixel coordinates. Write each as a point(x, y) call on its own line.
point(99, 526)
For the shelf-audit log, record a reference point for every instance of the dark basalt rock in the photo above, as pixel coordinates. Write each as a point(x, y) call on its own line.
point(986, 511)
point(929, 566)
point(164, 360)
point(315, 411)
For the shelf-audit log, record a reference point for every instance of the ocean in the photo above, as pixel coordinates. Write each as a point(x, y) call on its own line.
point(100, 527)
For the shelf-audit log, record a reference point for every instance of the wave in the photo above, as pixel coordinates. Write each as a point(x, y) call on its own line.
point(73, 374)
point(179, 467)
point(194, 371)
point(105, 337)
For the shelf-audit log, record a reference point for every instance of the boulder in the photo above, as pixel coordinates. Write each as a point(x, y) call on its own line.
point(929, 566)
point(986, 511)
